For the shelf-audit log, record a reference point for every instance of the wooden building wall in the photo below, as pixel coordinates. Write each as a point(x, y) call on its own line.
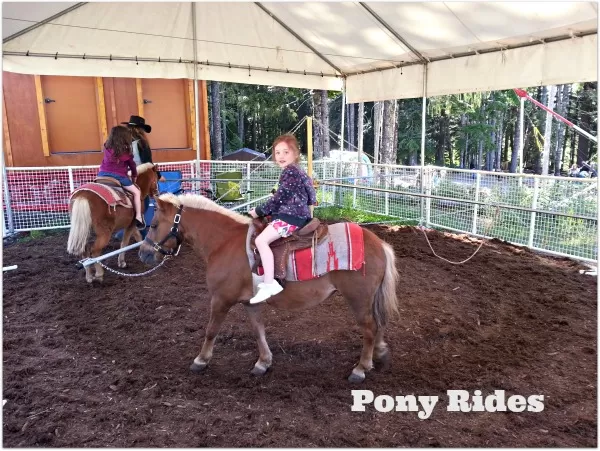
point(63, 121)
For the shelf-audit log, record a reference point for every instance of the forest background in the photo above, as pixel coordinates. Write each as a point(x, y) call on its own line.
point(469, 131)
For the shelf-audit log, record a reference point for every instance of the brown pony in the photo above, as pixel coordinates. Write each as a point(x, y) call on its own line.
point(219, 235)
point(90, 210)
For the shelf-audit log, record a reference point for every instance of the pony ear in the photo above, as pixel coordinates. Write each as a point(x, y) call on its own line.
point(160, 204)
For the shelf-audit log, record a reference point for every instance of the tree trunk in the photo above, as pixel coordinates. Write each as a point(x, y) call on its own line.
point(317, 126)
point(562, 93)
point(325, 121)
point(514, 158)
point(255, 131)
point(240, 117)
point(583, 149)
point(361, 125)
point(489, 157)
point(548, 130)
point(387, 142)
point(441, 135)
point(499, 139)
point(464, 153)
point(352, 126)
point(224, 121)
point(378, 126)
point(217, 143)
point(448, 141)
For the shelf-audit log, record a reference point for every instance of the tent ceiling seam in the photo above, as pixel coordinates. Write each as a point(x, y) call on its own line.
point(45, 21)
point(293, 33)
point(166, 60)
point(393, 31)
point(462, 23)
point(208, 41)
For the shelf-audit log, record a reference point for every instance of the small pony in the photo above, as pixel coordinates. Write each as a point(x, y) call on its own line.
point(89, 210)
point(220, 236)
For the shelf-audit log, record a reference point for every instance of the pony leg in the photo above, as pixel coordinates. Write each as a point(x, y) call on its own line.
point(265, 357)
point(124, 242)
point(381, 353)
point(102, 239)
point(369, 329)
point(218, 312)
point(89, 275)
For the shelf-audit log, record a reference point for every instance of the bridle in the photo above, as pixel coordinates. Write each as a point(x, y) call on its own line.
point(174, 233)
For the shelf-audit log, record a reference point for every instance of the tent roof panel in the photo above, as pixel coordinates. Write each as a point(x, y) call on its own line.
point(304, 44)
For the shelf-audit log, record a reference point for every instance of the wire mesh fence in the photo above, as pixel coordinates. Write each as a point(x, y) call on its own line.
point(553, 214)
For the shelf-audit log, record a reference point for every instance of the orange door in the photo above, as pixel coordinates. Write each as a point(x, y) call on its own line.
point(165, 109)
point(71, 114)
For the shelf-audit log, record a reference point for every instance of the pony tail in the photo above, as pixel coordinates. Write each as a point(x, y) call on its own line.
point(386, 301)
point(81, 222)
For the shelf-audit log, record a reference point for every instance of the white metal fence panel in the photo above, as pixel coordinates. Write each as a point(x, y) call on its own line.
point(555, 214)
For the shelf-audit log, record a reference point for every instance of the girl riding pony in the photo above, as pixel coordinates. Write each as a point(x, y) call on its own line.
point(289, 209)
point(118, 158)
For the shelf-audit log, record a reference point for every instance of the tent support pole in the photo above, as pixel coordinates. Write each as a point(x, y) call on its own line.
point(521, 134)
point(309, 149)
point(197, 106)
point(423, 122)
point(343, 115)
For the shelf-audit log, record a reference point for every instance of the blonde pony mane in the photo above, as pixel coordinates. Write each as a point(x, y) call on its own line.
point(144, 167)
point(202, 203)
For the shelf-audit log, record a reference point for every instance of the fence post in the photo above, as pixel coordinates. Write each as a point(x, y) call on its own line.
point(476, 206)
point(354, 189)
point(194, 186)
point(427, 188)
point(335, 171)
point(387, 194)
point(422, 190)
point(323, 188)
point(248, 170)
point(9, 213)
point(71, 181)
point(536, 190)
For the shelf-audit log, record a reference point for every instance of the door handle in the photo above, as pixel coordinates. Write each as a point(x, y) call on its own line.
point(147, 101)
point(49, 100)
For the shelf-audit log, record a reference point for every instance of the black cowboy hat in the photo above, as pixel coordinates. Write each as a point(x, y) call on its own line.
point(138, 121)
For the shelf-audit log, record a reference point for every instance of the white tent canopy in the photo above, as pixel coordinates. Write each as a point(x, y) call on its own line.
point(382, 50)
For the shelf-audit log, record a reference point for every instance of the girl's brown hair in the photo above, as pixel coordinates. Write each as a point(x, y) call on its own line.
point(292, 143)
point(119, 140)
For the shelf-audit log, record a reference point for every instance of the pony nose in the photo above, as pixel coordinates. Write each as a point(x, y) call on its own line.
point(146, 256)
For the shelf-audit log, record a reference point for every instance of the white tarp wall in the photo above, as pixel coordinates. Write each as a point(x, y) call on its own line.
point(379, 48)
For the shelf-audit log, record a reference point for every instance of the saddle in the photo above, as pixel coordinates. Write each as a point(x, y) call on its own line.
point(308, 236)
point(110, 190)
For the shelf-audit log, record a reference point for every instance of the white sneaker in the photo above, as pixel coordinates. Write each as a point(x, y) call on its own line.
point(265, 291)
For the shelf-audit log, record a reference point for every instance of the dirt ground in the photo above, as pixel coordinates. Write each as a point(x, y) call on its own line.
point(107, 364)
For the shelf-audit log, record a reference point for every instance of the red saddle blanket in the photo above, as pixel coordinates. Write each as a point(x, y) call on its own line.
point(343, 249)
point(111, 196)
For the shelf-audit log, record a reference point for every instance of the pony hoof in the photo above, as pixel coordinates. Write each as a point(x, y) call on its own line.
point(122, 265)
point(89, 279)
point(259, 370)
point(356, 378)
point(198, 368)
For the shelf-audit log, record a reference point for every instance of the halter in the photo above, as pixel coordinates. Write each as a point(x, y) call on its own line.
point(174, 233)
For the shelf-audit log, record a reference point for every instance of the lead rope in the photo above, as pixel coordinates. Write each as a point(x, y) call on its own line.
point(487, 229)
point(114, 271)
